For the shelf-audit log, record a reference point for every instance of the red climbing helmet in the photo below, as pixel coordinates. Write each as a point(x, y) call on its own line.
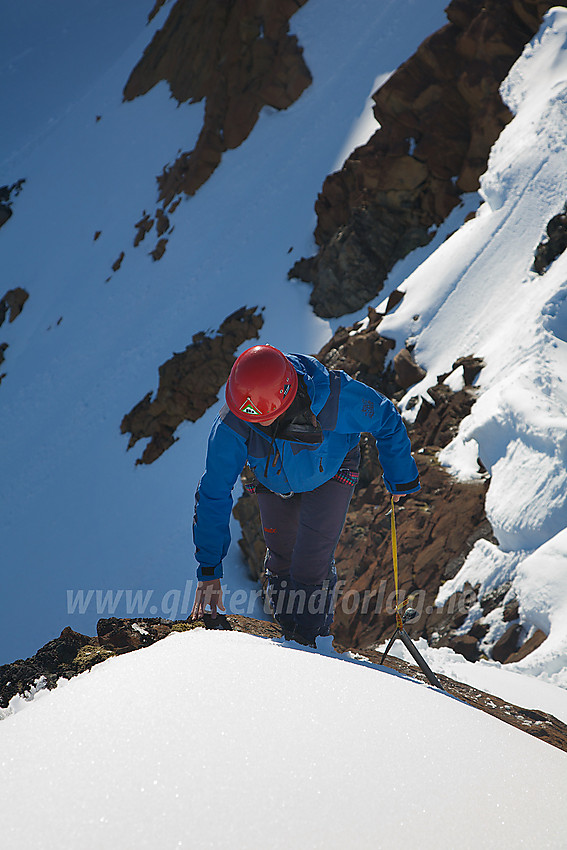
point(262, 384)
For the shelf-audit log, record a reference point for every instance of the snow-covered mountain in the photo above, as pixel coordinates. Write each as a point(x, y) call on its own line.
point(220, 739)
point(478, 293)
point(88, 533)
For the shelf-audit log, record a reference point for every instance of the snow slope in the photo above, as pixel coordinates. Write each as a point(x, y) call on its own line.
point(477, 295)
point(76, 514)
point(219, 739)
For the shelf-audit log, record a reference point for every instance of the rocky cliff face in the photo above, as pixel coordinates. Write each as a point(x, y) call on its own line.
point(238, 57)
point(440, 113)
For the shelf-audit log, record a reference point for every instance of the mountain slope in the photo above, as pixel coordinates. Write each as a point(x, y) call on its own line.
point(77, 516)
point(478, 295)
point(219, 738)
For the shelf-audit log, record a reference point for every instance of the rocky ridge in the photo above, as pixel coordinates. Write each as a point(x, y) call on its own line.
point(73, 653)
point(439, 114)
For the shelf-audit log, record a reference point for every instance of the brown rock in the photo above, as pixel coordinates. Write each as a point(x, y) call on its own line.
point(362, 355)
point(55, 659)
point(121, 636)
point(554, 245)
point(162, 222)
point(471, 369)
point(7, 194)
point(511, 611)
point(507, 644)
point(466, 645)
point(143, 226)
point(407, 370)
point(157, 6)
point(494, 598)
point(479, 630)
point(528, 646)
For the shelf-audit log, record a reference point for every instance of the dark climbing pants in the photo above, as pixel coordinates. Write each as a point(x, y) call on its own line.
point(302, 532)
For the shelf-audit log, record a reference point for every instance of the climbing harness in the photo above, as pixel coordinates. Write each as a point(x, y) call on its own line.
point(408, 616)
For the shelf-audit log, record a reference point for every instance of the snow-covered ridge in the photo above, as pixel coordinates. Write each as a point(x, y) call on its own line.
point(220, 739)
point(217, 739)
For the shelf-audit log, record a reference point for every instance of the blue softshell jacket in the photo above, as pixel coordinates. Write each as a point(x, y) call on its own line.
point(344, 407)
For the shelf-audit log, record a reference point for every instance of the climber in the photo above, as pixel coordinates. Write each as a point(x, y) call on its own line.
point(297, 425)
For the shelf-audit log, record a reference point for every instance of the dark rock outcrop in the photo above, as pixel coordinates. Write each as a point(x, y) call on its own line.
point(239, 57)
point(440, 113)
point(13, 303)
point(527, 646)
point(189, 384)
point(143, 227)
point(408, 372)
point(73, 653)
point(5, 214)
point(159, 250)
point(507, 644)
point(363, 355)
point(117, 635)
point(7, 195)
point(118, 262)
point(157, 6)
point(56, 659)
point(553, 245)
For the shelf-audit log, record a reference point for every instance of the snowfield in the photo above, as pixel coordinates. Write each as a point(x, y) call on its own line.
point(220, 739)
